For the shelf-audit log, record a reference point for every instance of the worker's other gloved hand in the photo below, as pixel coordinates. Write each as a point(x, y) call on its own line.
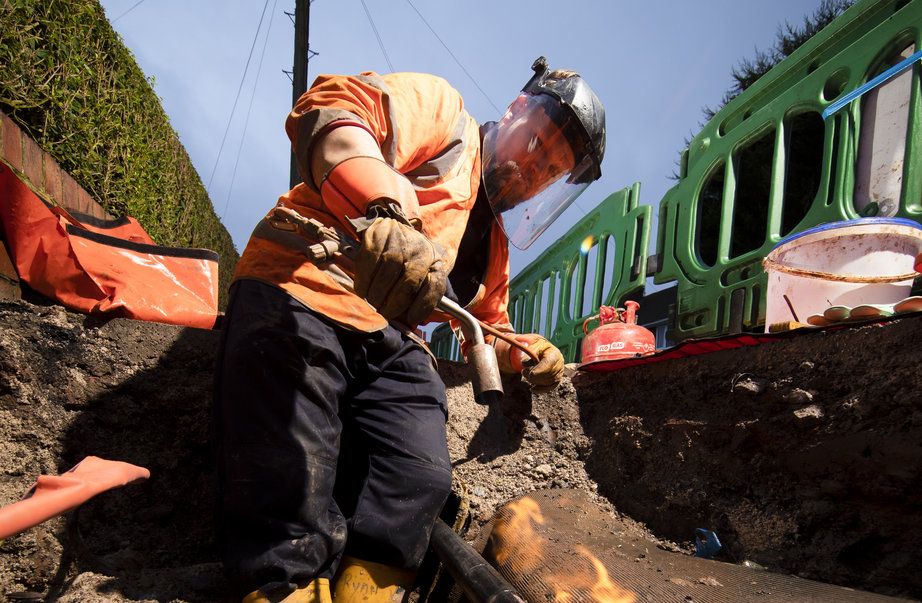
point(544, 375)
point(400, 272)
point(547, 373)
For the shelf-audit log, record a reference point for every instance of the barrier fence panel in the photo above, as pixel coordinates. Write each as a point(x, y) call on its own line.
point(833, 132)
point(817, 139)
point(601, 260)
point(444, 344)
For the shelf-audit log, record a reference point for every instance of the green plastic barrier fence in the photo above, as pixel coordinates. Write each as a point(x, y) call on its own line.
point(444, 344)
point(600, 260)
point(769, 164)
point(780, 158)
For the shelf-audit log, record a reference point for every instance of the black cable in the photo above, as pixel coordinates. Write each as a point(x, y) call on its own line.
point(455, 58)
point(239, 88)
point(479, 579)
point(246, 121)
point(380, 42)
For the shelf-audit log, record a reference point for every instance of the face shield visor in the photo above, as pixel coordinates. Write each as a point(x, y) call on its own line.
point(534, 165)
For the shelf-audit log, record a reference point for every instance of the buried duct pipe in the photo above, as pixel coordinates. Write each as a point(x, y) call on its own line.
point(480, 581)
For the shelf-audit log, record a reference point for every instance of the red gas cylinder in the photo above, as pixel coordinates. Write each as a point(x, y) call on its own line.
point(618, 336)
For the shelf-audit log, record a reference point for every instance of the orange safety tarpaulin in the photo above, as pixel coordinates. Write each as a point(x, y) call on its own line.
point(121, 228)
point(102, 267)
point(53, 495)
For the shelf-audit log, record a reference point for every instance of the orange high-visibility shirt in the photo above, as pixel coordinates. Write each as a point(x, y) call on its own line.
point(425, 134)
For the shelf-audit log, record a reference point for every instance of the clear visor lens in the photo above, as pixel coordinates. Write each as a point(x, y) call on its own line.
point(526, 221)
point(530, 173)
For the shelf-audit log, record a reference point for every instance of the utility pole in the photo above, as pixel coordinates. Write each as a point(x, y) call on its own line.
point(299, 70)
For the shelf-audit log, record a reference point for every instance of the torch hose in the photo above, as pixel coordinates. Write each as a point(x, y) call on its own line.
point(510, 340)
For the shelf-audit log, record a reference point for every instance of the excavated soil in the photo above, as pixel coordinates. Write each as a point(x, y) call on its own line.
point(71, 386)
point(804, 456)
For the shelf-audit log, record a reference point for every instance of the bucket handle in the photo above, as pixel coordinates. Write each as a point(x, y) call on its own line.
point(769, 264)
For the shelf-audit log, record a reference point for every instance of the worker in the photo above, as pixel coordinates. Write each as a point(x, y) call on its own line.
point(330, 416)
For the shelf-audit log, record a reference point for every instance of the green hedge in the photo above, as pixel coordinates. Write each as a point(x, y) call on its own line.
point(68, 80)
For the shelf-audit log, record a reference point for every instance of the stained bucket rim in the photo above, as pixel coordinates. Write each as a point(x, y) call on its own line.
point(847, 224)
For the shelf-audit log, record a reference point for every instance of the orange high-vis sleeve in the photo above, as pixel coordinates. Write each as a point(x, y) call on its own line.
point(426, 136)
point(355, 183)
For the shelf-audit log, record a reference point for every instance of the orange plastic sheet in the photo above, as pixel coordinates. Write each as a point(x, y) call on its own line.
point(121, 228)
point(103, 267)
point(53, 495)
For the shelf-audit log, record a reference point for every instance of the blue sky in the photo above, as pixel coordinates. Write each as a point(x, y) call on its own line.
point(654, 65)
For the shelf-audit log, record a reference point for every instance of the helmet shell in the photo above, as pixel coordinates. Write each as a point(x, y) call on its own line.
point(575, 94)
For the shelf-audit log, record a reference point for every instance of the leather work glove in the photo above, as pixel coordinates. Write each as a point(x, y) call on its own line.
point(400, 272)
point(544, 375)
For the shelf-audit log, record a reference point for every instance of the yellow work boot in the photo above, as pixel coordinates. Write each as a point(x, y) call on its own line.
point(316, 591)
point(361, 581)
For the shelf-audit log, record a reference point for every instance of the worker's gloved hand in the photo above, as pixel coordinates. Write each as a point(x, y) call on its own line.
point(547, 373)
point(543, 375)
point(400, 272)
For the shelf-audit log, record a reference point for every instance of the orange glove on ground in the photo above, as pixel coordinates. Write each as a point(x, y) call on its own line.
point(543, 375)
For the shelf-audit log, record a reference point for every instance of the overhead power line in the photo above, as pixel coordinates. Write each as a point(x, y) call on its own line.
point(246, 68)
point(246, 121)
point(463, 68)
point(377, 35)
point(136, 5)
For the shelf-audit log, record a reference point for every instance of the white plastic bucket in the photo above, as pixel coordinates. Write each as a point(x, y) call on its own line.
point(863, 261)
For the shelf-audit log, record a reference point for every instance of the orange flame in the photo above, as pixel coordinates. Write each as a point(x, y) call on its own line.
point(587, 580)
point(517, 534)
point(604, 588)
point(516, 540)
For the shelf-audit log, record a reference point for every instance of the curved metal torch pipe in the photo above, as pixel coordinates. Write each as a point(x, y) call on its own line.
point(486, 380)
point(470, 326)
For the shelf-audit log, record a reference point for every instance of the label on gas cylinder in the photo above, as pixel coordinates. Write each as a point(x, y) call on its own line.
point(620, 345)
point(607, 347)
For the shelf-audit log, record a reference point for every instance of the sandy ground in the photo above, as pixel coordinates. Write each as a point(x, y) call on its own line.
point(803, 456)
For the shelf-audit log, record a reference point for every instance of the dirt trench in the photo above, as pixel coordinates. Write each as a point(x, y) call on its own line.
point(804, 456)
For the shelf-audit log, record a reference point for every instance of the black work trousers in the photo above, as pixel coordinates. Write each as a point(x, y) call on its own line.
point(323, 435)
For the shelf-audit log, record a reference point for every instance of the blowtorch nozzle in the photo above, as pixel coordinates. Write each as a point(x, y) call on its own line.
point(485, 375)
